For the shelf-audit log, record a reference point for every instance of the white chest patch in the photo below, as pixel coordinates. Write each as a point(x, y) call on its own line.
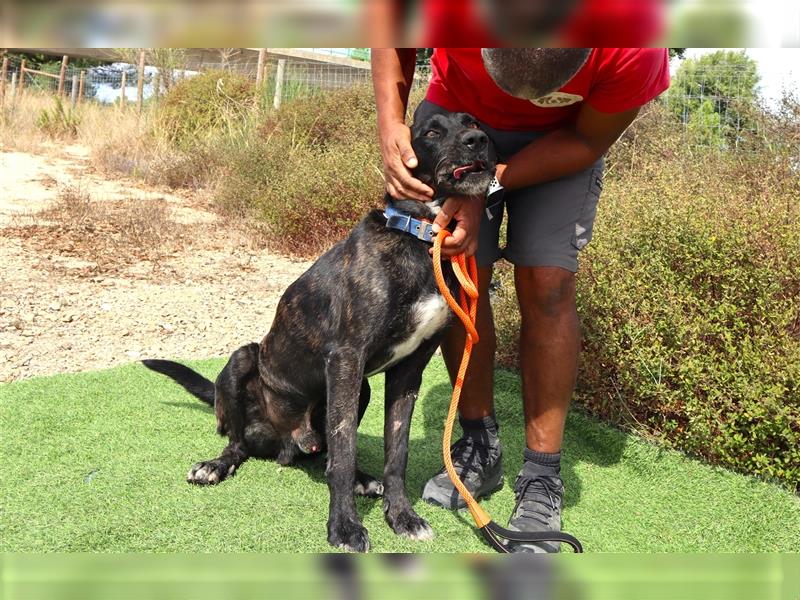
point(428, 316)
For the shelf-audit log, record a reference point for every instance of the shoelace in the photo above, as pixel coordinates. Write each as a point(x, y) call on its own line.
point(465, 451)
point(534, 494)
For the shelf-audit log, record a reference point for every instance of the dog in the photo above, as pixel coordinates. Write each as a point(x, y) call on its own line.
point(370, 304)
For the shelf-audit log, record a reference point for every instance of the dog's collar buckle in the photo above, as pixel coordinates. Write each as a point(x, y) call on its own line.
point(396, 219)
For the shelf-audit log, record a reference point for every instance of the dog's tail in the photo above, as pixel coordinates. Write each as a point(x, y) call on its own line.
point(192, 381)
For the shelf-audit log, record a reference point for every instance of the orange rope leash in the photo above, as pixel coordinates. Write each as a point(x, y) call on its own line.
point(466, 272)
point(466, 309)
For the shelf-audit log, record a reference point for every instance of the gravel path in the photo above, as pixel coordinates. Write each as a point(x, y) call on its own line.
point(136, 272)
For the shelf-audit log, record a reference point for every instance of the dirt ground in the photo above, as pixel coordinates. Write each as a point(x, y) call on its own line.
point(98, 272)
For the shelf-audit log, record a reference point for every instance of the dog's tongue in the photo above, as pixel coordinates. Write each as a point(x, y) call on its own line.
point(459, 172)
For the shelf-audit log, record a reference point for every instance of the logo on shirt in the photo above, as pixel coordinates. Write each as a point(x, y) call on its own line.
point(557, 100)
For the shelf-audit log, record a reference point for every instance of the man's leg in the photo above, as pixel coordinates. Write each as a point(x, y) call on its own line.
point(549, 349)
point(547, 226)
point(476, 455)
point(477, 396)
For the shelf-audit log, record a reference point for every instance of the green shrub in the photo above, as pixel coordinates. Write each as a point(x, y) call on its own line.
point(205, 105)
point(310, 171)
point(689, 299)
point(59, 121)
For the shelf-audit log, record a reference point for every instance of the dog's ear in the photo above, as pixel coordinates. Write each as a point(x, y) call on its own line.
point(424, 171)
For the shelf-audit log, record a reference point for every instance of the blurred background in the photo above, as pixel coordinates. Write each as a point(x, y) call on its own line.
point(396, 577)
point(702, 23)
point(707, 82)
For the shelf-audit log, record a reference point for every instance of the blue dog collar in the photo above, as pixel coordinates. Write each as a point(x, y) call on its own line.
point(397, 219)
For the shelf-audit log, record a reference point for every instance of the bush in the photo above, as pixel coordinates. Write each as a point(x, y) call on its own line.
point(203, 106)
point(310, 171)
point(58, 122)
point(688, 296)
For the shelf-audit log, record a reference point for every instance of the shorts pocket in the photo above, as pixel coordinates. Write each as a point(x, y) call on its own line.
point(584, 225)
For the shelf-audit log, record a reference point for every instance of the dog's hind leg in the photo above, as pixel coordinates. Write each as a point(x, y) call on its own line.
point(367, 485)
point(213, 471)
point(344, 371)
point(231, 398)
point(402, 388)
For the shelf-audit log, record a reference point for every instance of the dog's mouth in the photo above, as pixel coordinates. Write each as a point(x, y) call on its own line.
point(465, 178)
point(477, 166)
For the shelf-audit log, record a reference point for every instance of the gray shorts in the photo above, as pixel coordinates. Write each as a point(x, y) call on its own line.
point(548, 223)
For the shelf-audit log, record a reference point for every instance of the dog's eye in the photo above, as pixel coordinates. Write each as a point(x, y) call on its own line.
point(431, 133)
point(473, 125)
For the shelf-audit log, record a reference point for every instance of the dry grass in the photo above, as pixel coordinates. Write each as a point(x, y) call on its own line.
point(106, 236)
point(119, 140)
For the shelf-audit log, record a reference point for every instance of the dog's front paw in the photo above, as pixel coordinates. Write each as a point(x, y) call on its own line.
point(210, 472)
point(348, 535)
point(409, 524)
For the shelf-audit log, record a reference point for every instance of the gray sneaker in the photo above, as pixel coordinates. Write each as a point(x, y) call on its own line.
point(480, 467)
point(538, 508)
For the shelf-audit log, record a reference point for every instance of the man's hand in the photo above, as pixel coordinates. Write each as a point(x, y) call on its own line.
point(398, 159)
point(468, 212)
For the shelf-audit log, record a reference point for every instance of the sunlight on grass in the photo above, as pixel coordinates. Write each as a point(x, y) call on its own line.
point(97, 462)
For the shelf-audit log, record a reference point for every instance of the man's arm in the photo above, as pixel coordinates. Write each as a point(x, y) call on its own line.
point(384, 22)
point(392, 76)
point(567, 150)
point(554, 155)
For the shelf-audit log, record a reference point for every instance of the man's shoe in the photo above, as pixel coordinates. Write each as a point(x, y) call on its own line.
point(478, 464)
point(538, 508)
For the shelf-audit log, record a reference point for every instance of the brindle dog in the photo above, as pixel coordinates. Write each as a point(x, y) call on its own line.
point(368, 305)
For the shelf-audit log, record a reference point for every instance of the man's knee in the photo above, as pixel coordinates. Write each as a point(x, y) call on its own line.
point(545, 292)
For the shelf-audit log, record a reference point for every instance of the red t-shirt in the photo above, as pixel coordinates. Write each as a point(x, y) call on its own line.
point(612, 80)
point(452, 23)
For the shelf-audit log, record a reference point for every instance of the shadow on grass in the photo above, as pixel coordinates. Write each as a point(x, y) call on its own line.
point(313, 466)
point(191, 405)
point(584, 441)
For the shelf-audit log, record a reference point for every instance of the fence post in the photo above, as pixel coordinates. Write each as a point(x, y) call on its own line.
point(3, 75)
point(156, 84)
point(73, 97)
point(279, 83)
point(21, 81)
point(122, 89)
point(80, 86)
point(140, 83)
point(13, 86)
point(262, 54)
point(61, 75)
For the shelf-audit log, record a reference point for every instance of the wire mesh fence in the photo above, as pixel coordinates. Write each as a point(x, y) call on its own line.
point(104, 84)
point(284, 78)
point(714, 106)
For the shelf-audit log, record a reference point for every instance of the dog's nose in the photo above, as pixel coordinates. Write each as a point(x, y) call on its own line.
point(474, 139)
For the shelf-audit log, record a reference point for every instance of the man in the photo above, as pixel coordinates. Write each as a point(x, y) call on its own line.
point(552, 115)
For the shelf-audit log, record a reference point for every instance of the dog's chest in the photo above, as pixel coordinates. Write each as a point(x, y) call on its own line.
point(426, 317)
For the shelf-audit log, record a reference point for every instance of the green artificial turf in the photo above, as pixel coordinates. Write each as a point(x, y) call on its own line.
point(97, 462)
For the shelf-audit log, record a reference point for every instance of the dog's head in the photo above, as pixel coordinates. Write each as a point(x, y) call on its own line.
point(455, 157)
